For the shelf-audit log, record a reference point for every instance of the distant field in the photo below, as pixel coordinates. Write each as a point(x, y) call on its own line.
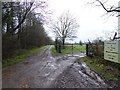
point(68, 49)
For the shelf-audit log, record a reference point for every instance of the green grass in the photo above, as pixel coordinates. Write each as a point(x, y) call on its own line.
point(68, 49)
point(97, 65)
point(21, 55)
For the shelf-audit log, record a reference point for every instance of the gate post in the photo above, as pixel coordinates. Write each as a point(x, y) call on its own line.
point(59, 47)
point(87, 49)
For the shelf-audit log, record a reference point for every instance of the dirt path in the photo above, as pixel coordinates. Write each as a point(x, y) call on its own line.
point(44, 71)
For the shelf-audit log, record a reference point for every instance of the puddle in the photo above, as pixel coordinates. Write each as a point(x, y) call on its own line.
point(76, 55)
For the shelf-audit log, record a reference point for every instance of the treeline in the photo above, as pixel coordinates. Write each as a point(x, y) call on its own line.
point(22, 28)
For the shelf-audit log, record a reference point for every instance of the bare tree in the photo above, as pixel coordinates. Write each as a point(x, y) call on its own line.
point(109, 35)
point(65, 27)
point(20, 10)
point(111, 9)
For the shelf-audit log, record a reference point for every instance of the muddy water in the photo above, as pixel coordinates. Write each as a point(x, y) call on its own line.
point(45, 71)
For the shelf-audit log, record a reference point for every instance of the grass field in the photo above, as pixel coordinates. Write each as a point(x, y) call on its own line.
point(23, 54)
point(68, 49)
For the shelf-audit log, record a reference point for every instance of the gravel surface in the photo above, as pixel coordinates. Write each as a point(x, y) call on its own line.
point(45, 71)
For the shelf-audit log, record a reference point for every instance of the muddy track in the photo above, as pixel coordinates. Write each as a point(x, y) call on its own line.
point(76, 76)
point(22, 73)
point(42, 70)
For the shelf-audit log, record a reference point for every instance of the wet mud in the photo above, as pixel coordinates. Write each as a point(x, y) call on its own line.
point(42, 70)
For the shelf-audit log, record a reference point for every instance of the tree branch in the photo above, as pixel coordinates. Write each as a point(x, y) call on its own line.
point(109, 10)
point(27, 11)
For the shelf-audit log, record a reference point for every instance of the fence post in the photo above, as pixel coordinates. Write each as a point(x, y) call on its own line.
point(72, 49)
point(59, 47)
point(87, 49)
point(56, 44)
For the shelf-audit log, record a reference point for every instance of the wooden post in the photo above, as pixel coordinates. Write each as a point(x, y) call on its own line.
point(72, 49)
point(87, 49)
point(56, 44)
point(59, 47)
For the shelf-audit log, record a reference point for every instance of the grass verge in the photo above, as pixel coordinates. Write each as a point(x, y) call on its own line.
point(68, 49)
point(102, 67)
point(21, 55)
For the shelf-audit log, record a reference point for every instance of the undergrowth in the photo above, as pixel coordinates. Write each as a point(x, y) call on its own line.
point(108, 70)
point(20, 55)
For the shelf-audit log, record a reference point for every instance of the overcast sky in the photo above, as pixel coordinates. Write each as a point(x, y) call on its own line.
point(93, 23)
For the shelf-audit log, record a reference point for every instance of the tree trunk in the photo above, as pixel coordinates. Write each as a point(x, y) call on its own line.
point(63, 43)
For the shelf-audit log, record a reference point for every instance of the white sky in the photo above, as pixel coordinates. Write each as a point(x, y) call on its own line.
point(90, 18)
